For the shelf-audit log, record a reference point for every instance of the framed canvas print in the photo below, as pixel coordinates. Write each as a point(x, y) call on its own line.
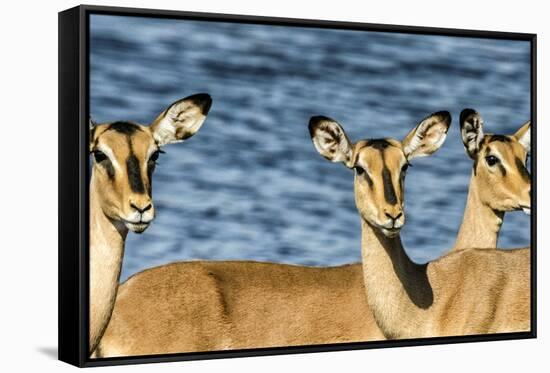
point(280, 151)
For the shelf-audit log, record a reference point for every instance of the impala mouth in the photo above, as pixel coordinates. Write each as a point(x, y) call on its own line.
point(390, 232)
point(137, 227)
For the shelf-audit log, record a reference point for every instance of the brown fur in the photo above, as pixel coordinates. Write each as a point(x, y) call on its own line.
point(472, 291)
point(116, 192)
point(467, 292)
point(208, 306)
point(493, 192)
point(120, 194)
point(106, 251)
point(189, 307)
point(204, 306)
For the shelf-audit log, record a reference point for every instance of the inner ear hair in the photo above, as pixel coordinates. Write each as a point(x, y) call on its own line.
point(471, 130)
point(182, 119)
point(92, 128)
point(330, 140)
point(523, 135)
point(428, 136)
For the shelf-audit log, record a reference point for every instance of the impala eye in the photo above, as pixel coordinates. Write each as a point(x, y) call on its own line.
point(491, 160)
point(359, 170)
point(99, 156)
point(154, 156)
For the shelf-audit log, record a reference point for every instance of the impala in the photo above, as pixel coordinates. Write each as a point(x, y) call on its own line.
point(499, 183)
point(124, 157)
point(470, 291)
point(200, 306)
point(209, 306)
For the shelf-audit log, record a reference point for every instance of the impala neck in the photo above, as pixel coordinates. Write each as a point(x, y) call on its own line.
point(398, 290)
point(480, 225)
point(106, 251)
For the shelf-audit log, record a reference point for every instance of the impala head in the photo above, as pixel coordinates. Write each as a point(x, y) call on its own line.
point(380, 165)
point(500, 175)
point(125, 154)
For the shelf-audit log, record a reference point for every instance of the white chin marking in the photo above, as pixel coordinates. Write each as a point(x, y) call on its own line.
point(390, 233)
point(526, 210)
point(137, 228)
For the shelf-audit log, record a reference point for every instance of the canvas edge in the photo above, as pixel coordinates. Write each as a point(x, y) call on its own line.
point(534, 159)
point(69, 189)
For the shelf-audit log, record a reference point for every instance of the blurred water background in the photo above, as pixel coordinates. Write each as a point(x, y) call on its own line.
point(249, 184)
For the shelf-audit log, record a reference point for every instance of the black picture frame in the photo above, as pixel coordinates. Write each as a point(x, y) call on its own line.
point(73, 182)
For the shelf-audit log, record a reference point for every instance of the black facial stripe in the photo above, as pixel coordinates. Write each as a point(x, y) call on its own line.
point(151, 164)
point(150, 169)
point(96, 141)
point(402, 177)
point(126, 128)
point(379, 144)
point(133, 169)
point(108, 166)
point(522, 170)
point(134, 174)
point(369, 180)
point(500, 138)
point(389, 191)
point(132, 163)
point(502, 169)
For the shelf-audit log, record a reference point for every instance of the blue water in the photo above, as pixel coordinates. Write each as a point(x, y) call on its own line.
point(250, 185)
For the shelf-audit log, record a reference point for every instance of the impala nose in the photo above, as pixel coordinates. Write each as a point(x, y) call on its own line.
point(141, 209)
point(394, 217)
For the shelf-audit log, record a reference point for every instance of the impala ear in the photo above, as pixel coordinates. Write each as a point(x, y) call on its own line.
point(427, 136)
point(330, 140)
point(92, 127)
point(523, 135)
point(471, 129)
point(182, 119)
